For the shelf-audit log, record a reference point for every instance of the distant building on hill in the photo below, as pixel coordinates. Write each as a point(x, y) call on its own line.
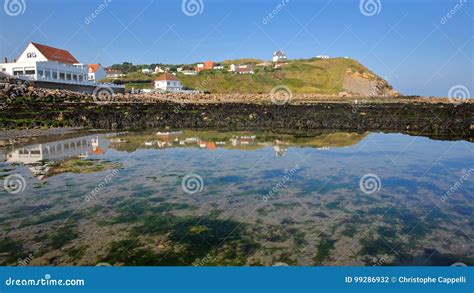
point(245, 69)
point(279, 56)
point(322, 57)
point(112, 73)
point(146, 71)
point(168, 82)
point(96, 72)
point(205, 65)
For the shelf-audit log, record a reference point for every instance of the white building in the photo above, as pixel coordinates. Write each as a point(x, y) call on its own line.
point(233, 67)
point(146, 71)
point(322, 57)
point(168, 82)
point(43, 63)
point(279, 56)
point(96, 72)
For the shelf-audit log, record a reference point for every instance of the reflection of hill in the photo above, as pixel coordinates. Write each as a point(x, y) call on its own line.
point(233, 140)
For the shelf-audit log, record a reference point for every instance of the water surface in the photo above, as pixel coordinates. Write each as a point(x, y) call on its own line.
point(242, 198)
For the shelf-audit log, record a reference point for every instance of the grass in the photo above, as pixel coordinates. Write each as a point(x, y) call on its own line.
point(300, 76)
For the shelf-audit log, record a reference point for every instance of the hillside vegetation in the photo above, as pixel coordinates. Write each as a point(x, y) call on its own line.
point(301, 76)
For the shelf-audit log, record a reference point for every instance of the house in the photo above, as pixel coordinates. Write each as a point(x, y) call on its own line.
point(218, 66)
point(233, 68)
point(168, 82)
point(245, 69)
point(96, 72)
point(158, 69)
point(322, 57)
point(45, 63)
point(112, 73)
point(205, 65)
point(279, 56)
point(189, 72)
point(146, 71)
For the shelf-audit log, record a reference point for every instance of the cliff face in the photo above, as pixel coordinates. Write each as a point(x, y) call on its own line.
point(435, 120)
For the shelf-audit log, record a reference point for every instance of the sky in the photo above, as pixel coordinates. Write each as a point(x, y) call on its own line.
point(411, 43)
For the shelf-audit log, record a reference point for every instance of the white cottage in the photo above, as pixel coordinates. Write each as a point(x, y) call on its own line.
point(168, 82)
point(96, 72)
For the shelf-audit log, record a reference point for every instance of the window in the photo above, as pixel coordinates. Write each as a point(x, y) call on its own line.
point(17, 71)
point(80, 78)
point(68, 76)
point(47, 74)
point(55, 75)
point(168, 83)
point(40, 72)
point(74, 77)
point(62, 76)
point(29, 72)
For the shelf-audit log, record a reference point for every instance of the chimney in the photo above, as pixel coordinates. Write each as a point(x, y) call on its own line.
point(14, 60)
point(5, 60)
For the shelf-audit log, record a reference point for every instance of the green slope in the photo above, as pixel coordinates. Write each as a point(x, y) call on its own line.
point(301, 76)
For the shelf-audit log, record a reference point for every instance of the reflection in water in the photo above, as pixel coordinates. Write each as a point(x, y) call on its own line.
point(38, 156)
point(262, 199)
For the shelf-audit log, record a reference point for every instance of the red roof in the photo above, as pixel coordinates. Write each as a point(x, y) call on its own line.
point(167, 76)
point(94, 67)
point(55, 54)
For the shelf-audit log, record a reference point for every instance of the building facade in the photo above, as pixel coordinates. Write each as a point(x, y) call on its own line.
point(96, 72)
point(168, 82)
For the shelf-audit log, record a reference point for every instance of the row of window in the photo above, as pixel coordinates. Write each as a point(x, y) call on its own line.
point(58, 148)
point(48, 74)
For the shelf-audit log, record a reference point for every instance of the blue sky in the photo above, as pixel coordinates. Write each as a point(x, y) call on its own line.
point(406, 42)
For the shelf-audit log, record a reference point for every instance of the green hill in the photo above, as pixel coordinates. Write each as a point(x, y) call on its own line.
point(301, 76)
point(330, 76)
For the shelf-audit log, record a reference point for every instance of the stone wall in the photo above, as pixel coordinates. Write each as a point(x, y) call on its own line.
point(435, 120)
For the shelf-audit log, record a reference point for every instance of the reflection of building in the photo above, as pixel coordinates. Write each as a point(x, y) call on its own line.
point(58, 150)
point(280, 150)
point(243, 140)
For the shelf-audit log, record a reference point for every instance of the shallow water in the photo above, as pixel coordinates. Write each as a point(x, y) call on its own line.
point(212, 198)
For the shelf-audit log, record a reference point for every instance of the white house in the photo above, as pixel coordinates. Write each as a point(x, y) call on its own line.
point(44, 63)
point(279, 56)
point(112, 73)
point(146, 71)
point(233, 67)
point(322, 57)
point(96, 72)
point(168, 82)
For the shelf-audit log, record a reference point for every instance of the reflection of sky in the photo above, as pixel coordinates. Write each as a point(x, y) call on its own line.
point(407, 166)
